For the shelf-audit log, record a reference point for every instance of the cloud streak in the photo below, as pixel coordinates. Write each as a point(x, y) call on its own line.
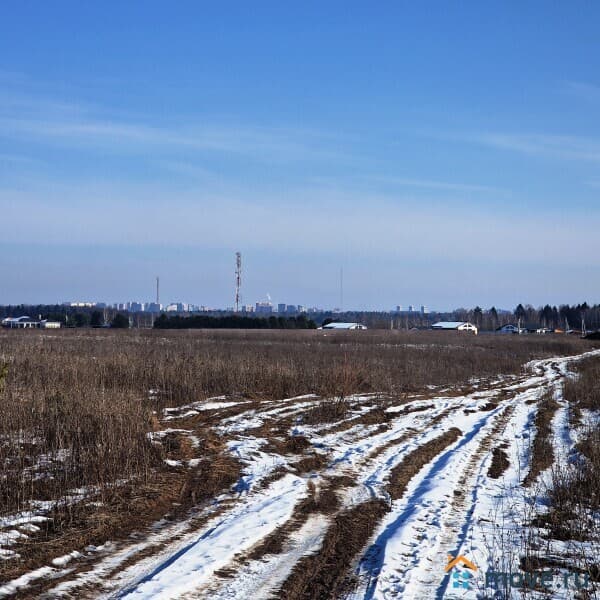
point(544, 145)
point(585, 91)
point(204, 219)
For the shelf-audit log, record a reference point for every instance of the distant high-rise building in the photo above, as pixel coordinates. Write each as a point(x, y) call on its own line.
point(399, 308)
point(411, 308)
point(301, 308)
point(176, 307)
point(424, 310)
point(264, 308)
point(281, 308)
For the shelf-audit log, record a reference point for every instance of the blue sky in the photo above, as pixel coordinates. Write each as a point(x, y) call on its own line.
point(442, 154)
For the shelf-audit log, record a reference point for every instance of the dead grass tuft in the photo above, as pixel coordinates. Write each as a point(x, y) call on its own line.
point(499, 463)
point(542, 454)
point(401, 474)
point(324, 575)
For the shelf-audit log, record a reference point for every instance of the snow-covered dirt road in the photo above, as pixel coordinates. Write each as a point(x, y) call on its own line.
point(371, 505)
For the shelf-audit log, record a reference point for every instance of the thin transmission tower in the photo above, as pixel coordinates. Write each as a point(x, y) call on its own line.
point(238, 280)
point(157, 290)
point(341, 289)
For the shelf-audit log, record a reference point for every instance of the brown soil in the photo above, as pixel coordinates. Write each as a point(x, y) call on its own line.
point(499, 463)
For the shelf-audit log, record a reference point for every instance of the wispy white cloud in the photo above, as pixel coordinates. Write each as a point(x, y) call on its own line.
point(434, 189)
point(262, 143)
point(36, 117)
point(434, 184)
point(586, 91)
point(18, 159)
point(555, 146)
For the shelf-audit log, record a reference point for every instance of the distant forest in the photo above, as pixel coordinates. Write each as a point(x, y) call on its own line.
point(553, 317)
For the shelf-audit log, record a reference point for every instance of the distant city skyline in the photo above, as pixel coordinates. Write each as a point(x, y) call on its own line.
point(446, 155)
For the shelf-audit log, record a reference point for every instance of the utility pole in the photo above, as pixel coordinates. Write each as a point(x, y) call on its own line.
point(341, 289)
point(238, 280)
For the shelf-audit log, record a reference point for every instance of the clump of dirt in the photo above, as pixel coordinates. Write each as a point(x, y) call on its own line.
point(210, 478)
point(310, 463)
point(327, 411)
point(499, 463)
point(291, 444)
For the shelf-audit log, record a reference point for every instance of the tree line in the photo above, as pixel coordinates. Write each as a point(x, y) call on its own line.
point(233, 322)
point(563, 316)
point(550, 316)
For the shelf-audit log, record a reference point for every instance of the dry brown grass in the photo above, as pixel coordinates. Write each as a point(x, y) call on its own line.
point(325, 574)
point(77, 408)
point(402, 474)
point(542, 453)
point(583, 392)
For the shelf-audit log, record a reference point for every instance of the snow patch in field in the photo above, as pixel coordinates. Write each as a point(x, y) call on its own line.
point(23, 582)
point(194, 408)
point(62, 561)
point(258, 464)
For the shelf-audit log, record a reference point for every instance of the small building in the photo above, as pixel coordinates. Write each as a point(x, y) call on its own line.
point(29, 323)
point(455, 326)
point(20, 323)
point(344, 326)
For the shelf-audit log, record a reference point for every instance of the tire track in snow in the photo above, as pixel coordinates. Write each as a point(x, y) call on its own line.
point(410, 534)
point(406, 559)
point(363, 459)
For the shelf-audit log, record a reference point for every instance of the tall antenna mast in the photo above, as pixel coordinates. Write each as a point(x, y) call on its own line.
point(157, 290)
point(238, 280)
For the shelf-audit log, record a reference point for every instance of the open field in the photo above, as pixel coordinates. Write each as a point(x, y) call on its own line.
point(292, 464)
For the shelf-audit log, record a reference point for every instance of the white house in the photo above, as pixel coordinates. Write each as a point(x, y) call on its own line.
point(455, 326)
point(344, 326)
point(45, 324)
